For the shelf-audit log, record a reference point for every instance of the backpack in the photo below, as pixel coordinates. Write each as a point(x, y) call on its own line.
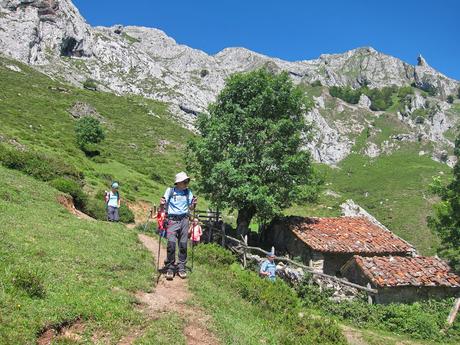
point(107, 197)
point(171, 193)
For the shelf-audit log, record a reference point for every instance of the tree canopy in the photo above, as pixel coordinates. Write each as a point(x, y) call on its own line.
point(446, 219)
point(251, 154)
point(88, 131)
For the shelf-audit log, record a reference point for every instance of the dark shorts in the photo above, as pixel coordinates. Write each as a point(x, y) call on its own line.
point(112, 214)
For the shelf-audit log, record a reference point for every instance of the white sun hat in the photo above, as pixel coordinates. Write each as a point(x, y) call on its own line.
point(180, 177)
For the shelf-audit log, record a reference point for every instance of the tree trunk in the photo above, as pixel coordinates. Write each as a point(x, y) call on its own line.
point(245, 216)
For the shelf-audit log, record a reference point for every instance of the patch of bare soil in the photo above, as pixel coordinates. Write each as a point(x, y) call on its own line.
point(172, 296)
point(141, 210)
point(67, 202)
point(66, 330)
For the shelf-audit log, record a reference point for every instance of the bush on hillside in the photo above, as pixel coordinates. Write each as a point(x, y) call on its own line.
point(39, 165)
point(90, 84)
point(72, 188)
point(450, 99)
point(96, 208)
point(214, 255)
point(316, 83)
point(346, 94)
point(422, 320)
point(88, 131)
point(381, 99)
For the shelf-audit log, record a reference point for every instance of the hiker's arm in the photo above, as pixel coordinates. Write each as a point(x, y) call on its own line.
point(263, 269)
point(119, 201)
point(163, 200)
point(193, 202)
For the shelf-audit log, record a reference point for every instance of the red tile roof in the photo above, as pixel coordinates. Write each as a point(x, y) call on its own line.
point(353, 235)
point(406, 271)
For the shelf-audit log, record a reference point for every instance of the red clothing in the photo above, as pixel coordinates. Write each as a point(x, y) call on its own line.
point(195, 233)
point(161, 216)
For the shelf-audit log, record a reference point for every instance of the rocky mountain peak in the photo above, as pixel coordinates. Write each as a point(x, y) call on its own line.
point(421, 61)
point(52, 36)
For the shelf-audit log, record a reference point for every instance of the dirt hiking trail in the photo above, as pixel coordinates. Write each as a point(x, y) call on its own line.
point(172, 296)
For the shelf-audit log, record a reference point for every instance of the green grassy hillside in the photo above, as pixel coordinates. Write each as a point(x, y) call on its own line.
point(144, 149)
point(56, 269)
point(143, 146)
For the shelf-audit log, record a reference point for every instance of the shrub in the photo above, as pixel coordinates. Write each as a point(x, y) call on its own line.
point(90, 84)
point(423, 320)
point(458, 93)
point(450, 99)
point(30, 282)
point(36, 164)
point(381, 99)
point(405, 91)
point(213, 255)
point(126, 215)
point(72, 188)
point(96, 208)
point(346, 94)
point(88, 131)
point(316, 83)
point(204, 73)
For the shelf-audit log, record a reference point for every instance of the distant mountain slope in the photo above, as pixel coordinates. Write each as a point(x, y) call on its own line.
point(53, 37)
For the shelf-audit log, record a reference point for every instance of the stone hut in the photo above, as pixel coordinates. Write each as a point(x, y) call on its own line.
point(326, 244)
point(403, 279)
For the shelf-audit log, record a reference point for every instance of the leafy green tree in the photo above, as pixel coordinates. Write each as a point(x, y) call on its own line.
point(88, 131)
point(250, 155)
point(458, 93)
point(450, 99)
point(446, 219)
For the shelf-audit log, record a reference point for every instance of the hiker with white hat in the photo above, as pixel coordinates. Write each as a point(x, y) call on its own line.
point(177, 201)
point(113, 203)
point(268, 267)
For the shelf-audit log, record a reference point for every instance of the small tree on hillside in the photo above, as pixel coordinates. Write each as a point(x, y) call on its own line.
point(88, 131)
point(446, 219)
point(450, 99)
point(250, 154)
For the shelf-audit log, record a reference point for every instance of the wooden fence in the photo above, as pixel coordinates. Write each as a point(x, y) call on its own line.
point(242, 249)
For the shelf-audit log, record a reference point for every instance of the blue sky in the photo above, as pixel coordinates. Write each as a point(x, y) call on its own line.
point(298, 30)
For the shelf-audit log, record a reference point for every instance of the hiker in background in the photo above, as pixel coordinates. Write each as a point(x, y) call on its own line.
point(161, 219)
point(177, 201)
point(268, 267)
point(113, 202)
point(195, 232)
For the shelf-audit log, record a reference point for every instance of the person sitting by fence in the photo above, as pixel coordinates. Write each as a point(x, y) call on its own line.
point(195, 232)
point(268, 267)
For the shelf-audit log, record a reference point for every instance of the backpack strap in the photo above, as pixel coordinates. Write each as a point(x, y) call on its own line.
point(170, 195)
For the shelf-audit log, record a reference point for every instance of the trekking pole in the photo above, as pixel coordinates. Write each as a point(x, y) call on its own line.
point(158, 257)
point(193, 245)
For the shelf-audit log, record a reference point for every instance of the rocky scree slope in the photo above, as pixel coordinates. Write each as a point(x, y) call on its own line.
point(52, 36)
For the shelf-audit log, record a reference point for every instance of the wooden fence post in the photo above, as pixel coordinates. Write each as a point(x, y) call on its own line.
point(223, 233)
point(244, 251)
point(369, 297)
point(453, 312)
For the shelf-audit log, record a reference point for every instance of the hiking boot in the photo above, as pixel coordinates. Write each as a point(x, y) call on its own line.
point(182, 274)
point(169, 275)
